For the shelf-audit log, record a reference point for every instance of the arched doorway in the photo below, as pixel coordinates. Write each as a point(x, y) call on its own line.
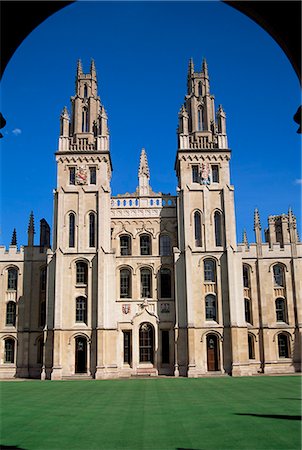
point(146, 343)
point(212, 353)
point(80, 355)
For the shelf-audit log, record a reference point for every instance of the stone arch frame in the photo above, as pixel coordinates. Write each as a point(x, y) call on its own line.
point(144, 232)
point(6, 303)
point(285, 271)
point(10, 266)
point(279, 263)
point(282, 297)
point(78, 259)
point(290, 341)
point(117, 238)
point(140, 267)
point(66, 218)
point(72, 346)
point(222, 224)
point(5, 271)
point(220, 340)
point(4, 338)
point(192, 216)
point(118, 270)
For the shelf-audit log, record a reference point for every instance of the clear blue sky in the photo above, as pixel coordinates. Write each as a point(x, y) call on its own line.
point(141, 51)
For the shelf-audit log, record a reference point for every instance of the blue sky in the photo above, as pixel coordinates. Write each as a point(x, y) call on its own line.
point(141, 51)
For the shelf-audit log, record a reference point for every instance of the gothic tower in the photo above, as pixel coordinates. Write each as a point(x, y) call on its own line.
point(81, 264)
point(208, 270)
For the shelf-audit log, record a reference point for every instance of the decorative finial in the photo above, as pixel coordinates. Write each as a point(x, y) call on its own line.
point(244, 238)
point(79, 67)
point(204, 66)
point(14, 237)
point(191, 67)
point(64, 112)
point(92, 66)
point(143, 164)
point(31, 230)
point(257, 223)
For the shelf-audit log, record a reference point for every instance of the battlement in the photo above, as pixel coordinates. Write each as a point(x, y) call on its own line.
point(274, 251)
point(12, 250)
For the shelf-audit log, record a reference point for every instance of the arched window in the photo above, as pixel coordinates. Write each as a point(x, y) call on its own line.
point(280, 310)
point(248, 310)
point(209, 270)
point(71, 230)
point(146, 343)
point(43, 273)
point(81, 309)
point(145, 244)
point(85, 120)
point(81, 272)
point(11, 313)
point(283, 346)
point(146, 283)
point(278, 275)
point(197, 229)
point(200, 117)
point(125, 245)
point(211, 307)
point(246, 276)
point(165, 283)
point(251, 346)
point(12, 279)
point(164, 245)
point(218, 229)
point(9, 351)
point(92, 229)
point(125, 283)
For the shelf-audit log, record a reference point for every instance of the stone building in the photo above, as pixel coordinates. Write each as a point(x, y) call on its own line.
point(147, 283)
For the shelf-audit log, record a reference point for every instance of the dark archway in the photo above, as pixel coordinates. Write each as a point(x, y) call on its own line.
point(80, 355)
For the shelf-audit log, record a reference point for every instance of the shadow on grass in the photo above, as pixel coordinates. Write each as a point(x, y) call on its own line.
point(11, 447)
point(271, 416)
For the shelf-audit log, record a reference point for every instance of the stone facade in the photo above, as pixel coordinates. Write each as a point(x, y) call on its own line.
point(146, 283)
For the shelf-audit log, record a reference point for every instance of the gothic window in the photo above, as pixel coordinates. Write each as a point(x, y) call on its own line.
point(146, 343)
point(248, 310)
point(145, 244)
point(200, 89)
point(165, 347)
point(211, 307)
point(218, 229)
point(195, 174)
point(146, 283)
point(71, 230)
point(215, 174)
point(246, 276)
point(251, 346)
point(283, 346)
point(85, 90)
point(165, 283)
point(164, 245)
point(197, 229)
point(81, 309)
point(42, 318)
point(72, 175)
point(209, 270)
point(43, 279)
point(92, 172)
point(12, 279)
point(81, 272)
point(85, 120)
point(9, 351)
point(200, 117)
point(125, 245)
point(92, 229)
point(127, 347)
point(11, 313)
point(280, 310)
point(278, 275)
point(125, 283)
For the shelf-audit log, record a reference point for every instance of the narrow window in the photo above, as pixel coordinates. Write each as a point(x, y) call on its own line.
point(283, 346)
point(92, 172)
point(218, 229)
point(209, 270)
point(197, 229)
point(164, 245)
point(195, 174)
point(127, 347)
point(43, 279)
point(72, 175)
point(145, 244)
point(85, 120)
point(246, 276)
point(92, 230)
point(125, 245)
point(12, 279)
point(280, 310)
point(9, 351)
point(200, 89)
point(165, 283)
point(11, 313)
point(125, 283)
point(146, 283)
point(215, 174)
point(42, 318)
point(211, 308)
point(200, 119)
point(146, 343)
point(81, 272)
point(165, 347)
point(81, 309)
point(71, 230)
point(85, 90)
point(278, 276)
point(248, 310)
point(251, 346)
point(40, 346)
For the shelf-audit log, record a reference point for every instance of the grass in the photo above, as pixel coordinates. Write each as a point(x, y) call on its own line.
point(220, 413)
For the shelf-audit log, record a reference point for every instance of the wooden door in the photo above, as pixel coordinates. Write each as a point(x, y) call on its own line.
point(212, 352)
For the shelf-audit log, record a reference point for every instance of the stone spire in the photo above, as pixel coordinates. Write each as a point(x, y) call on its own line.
point(64, 122)
point(244, 239)
point(292, 227)
point(191, 67)
point(79, 68)
point(31, 230)
point(14, 237)
point(92, 68)
point(143, 174)
point(205, 67)
point(257, 226)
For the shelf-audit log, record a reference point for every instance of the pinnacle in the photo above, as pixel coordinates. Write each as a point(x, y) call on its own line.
point(143, 165)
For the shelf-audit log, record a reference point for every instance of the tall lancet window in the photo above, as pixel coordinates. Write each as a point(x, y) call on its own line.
point(71, 230)
point(85, 91)
point(92, 230)
point(200, 118)
point(218, 229)
point(85, 120)
point(197, 229)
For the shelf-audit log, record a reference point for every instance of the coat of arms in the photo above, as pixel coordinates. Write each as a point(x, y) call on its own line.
point(126, 309)
point(205, 173)
point(81, 175)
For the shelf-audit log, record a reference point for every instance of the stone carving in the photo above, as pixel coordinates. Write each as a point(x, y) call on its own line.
point(165, 308)
point(205, 173)
point(81, 175)
point(126, 309)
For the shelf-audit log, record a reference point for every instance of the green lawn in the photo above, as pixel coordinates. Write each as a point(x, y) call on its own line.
point(219, 413)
